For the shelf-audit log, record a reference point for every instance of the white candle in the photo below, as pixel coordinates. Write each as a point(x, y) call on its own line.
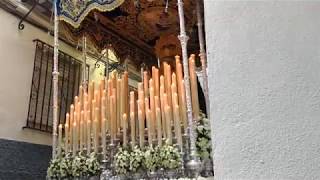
point(141, 129)
point(125, 124)
point(158, 114)
point(74, 136)
point(133, 129)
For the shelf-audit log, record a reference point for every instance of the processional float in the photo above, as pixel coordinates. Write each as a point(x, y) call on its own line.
point(105, 114)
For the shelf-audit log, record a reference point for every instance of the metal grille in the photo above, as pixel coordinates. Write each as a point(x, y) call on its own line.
point(40, 103)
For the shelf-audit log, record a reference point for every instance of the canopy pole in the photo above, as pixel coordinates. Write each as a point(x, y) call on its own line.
point(55, 77)
point(193, 164)
point(203, 58)
point(84, 54)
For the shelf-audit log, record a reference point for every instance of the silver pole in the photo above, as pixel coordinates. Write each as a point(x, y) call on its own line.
point(193, 164)
point(55, 77)
point(84, 54)
point(203, 58)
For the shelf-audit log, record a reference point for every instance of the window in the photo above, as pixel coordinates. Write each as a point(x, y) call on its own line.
point(40, 103)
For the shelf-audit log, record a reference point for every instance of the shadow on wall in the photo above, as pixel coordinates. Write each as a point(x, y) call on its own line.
point(23, 161)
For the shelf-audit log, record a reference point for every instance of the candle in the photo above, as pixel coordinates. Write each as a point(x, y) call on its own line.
point(177, 126)
point(132, 118)
point(78, 107)
point(168, 83)
point(60, 139)
point(141, 98)
point(95, 130)
point(168, 123)
point(76, 132)
point(125, 91)
point(88, 134)
point(133, 129)
point(113, 118)
point(194, 87)
point(152, 108)
point(162, 105)
point(149, 124)
point(145, 83)
point(141, 129)
point(81, 95)
point(103, 131)
point(81, 130)
point(124, 120)
point(159, 131)
point(156, 82)
point(74, 136)
point(118, 105)
point(66, 132)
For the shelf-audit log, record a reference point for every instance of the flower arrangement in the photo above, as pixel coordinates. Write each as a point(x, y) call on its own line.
point(79, 167)
point(93, 166)
point(59, 168)
point(170, 157)
point(203, 142)
point(122, 161)
point(136, 158)
point(151, 159)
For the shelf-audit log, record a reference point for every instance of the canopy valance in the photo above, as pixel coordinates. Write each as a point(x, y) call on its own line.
point(74, 11)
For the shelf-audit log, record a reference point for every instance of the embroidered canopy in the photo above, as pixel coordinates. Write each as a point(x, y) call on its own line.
point(74, 11)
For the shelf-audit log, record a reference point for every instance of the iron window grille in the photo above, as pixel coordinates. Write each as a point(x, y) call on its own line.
point(40, 103)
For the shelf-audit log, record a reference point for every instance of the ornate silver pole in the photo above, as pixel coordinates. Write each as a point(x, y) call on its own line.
point(194, 163)
point(55, 77)
point(84, 54)
point(203, 58)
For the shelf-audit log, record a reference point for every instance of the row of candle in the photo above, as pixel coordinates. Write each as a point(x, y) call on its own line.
point(158, 113)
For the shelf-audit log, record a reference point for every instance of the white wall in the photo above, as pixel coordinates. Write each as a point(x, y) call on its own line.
point(16, 60)
point(264, 71)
